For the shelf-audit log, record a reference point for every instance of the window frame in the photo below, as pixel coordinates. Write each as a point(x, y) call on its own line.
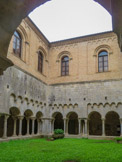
point(40, 62)
point(103, 61)
point(65, 66)
point(17, 41)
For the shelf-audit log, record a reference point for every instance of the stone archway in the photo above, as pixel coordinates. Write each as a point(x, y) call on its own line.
point(112, 124)
point(72, 123)
point(95, 124)
point(12, 124)
point(38, 123)
point(58, 123)
point(27, 122)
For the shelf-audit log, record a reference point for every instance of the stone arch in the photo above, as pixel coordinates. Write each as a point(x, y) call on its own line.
point(14, 113)
point(39, 115)
point(27, 115)
point(58, 120)
point(95, 123)
point(23, 33)
point(72, 123)
point(43, 51)
point(112, 124)
point(97, 51)
point(12, 99)
point(62, 54)
point(103, 47)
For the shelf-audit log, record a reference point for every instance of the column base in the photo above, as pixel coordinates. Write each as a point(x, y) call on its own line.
point(85, 135)
point(4, 137)
point(103, 135)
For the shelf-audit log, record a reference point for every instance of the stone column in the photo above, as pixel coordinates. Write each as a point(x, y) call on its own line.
point(121, 127)
point(28, 127)
point(65, 120)
point(67, 123)
point(20, 125)
point(33, 120)
point(5, 126)
point(50, 123)
point(15, 126)
point(53, 120)
point(38, 131)
point(79, 126)
point(103, 127)
point(85, 127)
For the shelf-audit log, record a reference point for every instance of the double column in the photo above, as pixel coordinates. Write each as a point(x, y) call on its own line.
point(5, 126)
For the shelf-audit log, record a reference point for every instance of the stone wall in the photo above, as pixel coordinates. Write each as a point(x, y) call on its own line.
point(22, 90)
point(84, 98)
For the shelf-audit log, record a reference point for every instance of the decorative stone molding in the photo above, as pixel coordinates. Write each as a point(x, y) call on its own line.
point(101, 48)
point(64, 53)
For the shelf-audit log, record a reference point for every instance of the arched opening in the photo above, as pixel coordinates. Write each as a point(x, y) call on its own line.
point(27, 125)
point(10, 126)
point(73, 123)
point(1, 125)
point(24, 126)
point(38, 123)
point(95, 124)
point(58, 123)
point(112, 124)
point(14, 112)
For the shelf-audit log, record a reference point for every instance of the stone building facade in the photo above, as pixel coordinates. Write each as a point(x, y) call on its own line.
point(73, 84)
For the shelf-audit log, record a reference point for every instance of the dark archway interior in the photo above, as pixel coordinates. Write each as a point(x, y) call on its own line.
point(1, 125)
point(73, 124)
point(17, 129)
point(24, 126)
point(95, 124)
point(112, 124)
point(10, 126)
point(30, 126)
point(59, 123)
point(35, 127)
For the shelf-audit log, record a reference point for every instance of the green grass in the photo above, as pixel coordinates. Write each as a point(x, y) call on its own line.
point(40, 150)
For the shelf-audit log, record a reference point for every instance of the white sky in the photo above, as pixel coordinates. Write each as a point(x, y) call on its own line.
point(63, 19)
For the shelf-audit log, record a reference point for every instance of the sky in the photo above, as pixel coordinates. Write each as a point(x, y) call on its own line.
point(64, 19)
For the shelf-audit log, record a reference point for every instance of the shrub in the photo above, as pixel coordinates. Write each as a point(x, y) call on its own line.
point(58, 131)
point(118, 138)
point(58, 136)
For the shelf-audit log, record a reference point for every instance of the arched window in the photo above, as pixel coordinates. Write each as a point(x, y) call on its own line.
point(65, 66)
point(17, 44)
point(103, 61)
point(40, 62)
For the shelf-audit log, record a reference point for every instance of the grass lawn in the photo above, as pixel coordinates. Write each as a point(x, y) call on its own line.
point(40, 150)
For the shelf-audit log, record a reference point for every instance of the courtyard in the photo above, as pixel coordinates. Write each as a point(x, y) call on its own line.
point(79, 150)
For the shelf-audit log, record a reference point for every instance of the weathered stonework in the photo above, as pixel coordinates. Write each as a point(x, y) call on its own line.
point(84, 103)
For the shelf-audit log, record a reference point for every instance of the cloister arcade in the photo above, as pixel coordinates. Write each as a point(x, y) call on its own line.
point(16, 125)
